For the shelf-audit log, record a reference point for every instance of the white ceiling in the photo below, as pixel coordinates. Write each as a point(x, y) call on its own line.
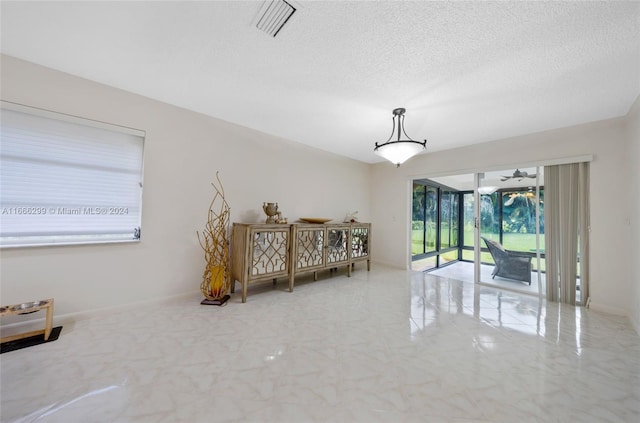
point(465, 182)
point(467, 72)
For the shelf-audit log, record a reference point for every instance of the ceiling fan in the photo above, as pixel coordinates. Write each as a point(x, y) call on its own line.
point(519, 175)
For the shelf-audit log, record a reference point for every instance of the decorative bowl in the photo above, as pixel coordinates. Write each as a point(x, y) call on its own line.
point(315, 219)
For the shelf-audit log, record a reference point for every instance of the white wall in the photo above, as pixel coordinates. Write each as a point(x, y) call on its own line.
point(610, 187)
point(183, 151)
point(633, 135)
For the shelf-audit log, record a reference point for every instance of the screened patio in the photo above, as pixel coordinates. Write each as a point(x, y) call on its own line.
point(510, 212)
point(443, 225)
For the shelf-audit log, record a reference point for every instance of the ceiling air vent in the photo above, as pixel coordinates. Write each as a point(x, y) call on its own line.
point(276, 14)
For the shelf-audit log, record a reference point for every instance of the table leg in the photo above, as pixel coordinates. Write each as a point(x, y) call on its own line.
point(49, 321)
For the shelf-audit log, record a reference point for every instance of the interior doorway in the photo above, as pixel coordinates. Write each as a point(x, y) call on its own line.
point(509, 216)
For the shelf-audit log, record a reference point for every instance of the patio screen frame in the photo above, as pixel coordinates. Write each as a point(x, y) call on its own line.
point(438, 251)
point(460, 248)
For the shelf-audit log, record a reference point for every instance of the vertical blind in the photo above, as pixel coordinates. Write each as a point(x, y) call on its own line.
point(67, 180)
point(566, 221)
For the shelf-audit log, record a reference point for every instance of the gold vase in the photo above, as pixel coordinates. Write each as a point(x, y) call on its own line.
point(271, 210)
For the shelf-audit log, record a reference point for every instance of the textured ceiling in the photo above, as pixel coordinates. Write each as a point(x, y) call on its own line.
point(467, 72)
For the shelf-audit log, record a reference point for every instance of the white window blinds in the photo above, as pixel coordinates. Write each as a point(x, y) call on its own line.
point(67, 180)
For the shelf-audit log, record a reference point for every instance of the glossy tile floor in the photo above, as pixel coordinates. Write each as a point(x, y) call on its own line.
point(381, 346)
point(463, 271)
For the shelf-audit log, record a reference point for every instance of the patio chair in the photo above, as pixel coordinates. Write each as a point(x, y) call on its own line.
point(509, 264)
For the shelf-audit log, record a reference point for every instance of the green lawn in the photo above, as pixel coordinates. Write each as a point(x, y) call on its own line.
point(515, 242)
point(511, 241)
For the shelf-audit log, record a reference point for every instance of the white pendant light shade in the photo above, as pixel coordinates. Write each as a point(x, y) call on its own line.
point(399, 151)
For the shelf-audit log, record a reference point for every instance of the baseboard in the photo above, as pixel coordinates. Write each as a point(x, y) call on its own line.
point(636, 325)
point(69, 318)
point(383, 263)
point(607, 309)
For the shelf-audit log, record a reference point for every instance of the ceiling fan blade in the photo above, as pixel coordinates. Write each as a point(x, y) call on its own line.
point(531, 176)
point(505, 178)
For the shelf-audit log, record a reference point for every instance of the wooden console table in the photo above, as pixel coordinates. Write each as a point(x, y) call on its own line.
point(263, 252)
point(28, 308)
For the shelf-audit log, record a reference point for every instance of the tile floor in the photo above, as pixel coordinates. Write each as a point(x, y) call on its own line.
point(381, 346)
point(463, 271)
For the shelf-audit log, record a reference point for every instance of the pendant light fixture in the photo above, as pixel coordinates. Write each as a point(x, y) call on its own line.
point(399, 151)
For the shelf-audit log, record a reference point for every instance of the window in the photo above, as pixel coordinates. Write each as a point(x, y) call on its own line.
point(424, 218)
point(67, 180)
point(435, 225)
point(448, 219)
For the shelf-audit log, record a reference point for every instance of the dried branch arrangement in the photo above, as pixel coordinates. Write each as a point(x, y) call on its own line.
point(215, 243)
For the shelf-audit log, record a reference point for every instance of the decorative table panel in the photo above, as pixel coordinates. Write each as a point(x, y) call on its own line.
point(260, 252)
point(338, 244)
point(310, 247)
point(360, 235)
point(270, 252)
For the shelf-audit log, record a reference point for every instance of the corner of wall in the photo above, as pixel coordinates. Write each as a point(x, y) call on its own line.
point(633, 152)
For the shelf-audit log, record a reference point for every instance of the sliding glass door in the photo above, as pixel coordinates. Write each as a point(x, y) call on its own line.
point(510, 223)
point(503, 209)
